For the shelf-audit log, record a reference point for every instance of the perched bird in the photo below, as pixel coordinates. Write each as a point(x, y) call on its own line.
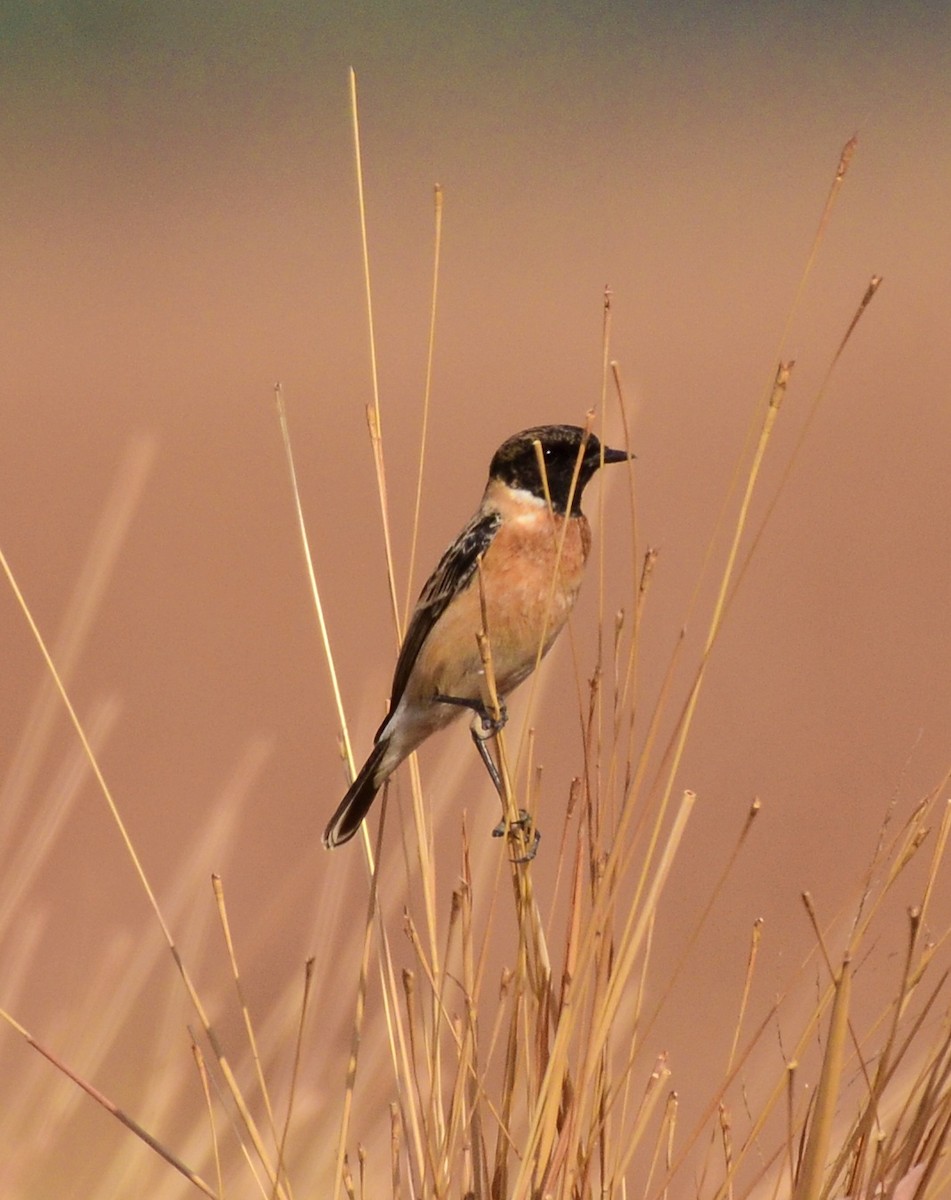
point(518, 531)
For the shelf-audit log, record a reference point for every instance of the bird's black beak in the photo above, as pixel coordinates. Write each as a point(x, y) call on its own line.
point(613, 456)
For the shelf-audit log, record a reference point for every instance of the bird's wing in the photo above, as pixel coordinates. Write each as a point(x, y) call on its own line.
point(452, 574)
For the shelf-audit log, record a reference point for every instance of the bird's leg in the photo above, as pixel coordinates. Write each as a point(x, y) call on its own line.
point(491, 725)
point(480, 740)
point(523, 822)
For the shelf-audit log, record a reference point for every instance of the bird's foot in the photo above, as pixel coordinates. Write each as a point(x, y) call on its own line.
point(522, 827)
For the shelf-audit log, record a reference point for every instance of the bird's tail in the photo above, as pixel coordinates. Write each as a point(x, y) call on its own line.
point(356, 804)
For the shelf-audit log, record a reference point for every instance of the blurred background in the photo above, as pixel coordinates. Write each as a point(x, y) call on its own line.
point(180, 231)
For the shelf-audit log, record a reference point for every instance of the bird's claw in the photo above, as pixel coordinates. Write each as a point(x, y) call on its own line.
point(491, 724)
point(523, 826)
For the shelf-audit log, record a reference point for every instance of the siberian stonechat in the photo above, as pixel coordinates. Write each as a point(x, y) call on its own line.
point(533, 540)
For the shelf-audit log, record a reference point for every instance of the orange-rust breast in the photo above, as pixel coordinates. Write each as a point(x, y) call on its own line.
point(530, 588)
point(531, 574)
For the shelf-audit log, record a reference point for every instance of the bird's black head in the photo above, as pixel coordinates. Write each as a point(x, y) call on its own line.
point(516, 463)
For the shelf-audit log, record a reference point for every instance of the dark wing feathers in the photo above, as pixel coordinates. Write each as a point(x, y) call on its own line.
point(453, 572)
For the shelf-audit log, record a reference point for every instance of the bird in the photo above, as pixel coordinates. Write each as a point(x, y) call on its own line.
point(528, 526)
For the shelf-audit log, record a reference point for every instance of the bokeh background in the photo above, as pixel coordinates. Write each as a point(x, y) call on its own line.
point(180, 232)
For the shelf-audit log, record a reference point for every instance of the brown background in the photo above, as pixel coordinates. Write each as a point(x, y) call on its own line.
point(180, 231)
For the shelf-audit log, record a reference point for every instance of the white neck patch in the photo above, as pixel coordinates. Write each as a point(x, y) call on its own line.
point(524, 496)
